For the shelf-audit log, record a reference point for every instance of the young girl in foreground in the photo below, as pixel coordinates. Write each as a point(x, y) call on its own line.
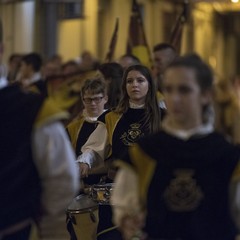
point(175, 184)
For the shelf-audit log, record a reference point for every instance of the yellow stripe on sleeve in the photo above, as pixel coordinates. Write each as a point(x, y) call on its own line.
point(145, 167)
point(74, 128)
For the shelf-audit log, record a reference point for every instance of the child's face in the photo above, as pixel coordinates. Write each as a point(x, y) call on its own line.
point(137, 87)
point(94, 103)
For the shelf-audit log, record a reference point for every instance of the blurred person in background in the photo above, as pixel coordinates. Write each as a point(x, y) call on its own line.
point(227, 111)
point(57, 59)
point(51, 73)
point(51, 68)
point(128, 60)
point(163, 55)
point(38, 174)
point(70, 67)
point(14, 63)
point(112, 73)
point(88, 62)
point(73, 79)
point(30, 75)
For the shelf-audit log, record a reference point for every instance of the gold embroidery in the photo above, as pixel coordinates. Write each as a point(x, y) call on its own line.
point(183, 194)
point(132, 135)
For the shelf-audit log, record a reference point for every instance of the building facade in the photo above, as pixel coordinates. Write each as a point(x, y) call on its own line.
point(69, 27)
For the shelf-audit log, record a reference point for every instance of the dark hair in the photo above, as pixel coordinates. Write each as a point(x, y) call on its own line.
point(204, 74)
point(13, 56)
point(135, 59)
point(69, 63)
point(94, 85)
point(54, 57)
point(113, 73)
point(152, 113)
point(33, 59)
point(163, 46)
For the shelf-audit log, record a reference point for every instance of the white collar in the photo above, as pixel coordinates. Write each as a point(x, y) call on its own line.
point(136, 106)
point(35, 77)
point(203, 129)
point(91, 119)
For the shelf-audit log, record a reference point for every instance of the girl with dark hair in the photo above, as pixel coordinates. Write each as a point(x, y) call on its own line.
point(175, 183)
point(151, 111)
point(136, 115)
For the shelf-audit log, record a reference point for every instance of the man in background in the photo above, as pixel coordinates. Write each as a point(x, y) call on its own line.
point(163, 55)
point(128, 60)
point(30, 73)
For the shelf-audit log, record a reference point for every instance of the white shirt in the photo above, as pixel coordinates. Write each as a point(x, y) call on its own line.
point(55, 162)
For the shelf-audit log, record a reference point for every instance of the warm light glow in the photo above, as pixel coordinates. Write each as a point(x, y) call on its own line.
point(212, 61)
point(234, 1)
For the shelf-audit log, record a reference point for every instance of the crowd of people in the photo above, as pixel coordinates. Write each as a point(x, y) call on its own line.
point(165, 139)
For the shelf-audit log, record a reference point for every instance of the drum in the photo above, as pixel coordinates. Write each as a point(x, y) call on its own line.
point(101, 193)
point(82, 213)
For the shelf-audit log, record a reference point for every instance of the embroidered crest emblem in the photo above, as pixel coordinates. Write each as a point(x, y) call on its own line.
point(132, 135)
point(183, 194)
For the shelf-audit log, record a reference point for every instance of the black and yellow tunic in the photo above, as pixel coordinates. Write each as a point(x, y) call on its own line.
point(79, 131)
point(124, 129)
point(184, 185)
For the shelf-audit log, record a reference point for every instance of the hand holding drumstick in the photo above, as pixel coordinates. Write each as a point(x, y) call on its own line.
point(131, 226)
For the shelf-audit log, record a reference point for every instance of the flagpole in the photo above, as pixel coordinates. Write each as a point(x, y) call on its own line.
point(137, 41)
point(141, 23)
point(176, 35)
point(113, 42)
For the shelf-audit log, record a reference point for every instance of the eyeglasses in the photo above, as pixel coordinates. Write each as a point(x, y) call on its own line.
point(90, 100)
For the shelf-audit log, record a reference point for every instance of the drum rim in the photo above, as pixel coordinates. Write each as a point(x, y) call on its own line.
point(90, 208)
point(104, 185)
point(84, 210)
